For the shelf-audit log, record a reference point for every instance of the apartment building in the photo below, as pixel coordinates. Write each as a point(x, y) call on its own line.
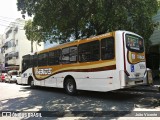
point(15, 45)
point(1, 55)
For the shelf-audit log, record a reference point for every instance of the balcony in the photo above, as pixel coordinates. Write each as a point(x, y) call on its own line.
point(12, 58)
point(9, 30)
point(12, 61)
point(9, 46)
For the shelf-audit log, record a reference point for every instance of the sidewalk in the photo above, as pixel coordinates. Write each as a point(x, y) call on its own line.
point(145, 88)
point(152, 88)
point(148, 104)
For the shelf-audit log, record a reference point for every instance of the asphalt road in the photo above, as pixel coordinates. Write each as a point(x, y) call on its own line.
point(85, 105)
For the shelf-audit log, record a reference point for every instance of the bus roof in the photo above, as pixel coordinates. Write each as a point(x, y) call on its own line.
point(79, 41)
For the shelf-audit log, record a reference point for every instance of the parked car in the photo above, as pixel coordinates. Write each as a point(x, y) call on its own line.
point(3, 77)
point(12, 75)
point(19, 80)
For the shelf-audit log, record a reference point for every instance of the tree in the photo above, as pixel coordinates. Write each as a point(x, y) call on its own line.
point(33, 33)
point(66, 19)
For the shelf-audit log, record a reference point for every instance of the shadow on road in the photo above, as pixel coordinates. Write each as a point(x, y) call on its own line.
point(85, 104)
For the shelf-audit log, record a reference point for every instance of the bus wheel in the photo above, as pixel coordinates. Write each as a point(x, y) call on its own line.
point(31, 82)
point(70, 86)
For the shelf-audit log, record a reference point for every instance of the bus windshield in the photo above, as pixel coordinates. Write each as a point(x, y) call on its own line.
point(134, 43)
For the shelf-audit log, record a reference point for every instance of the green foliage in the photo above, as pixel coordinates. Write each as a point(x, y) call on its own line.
point(66, 19)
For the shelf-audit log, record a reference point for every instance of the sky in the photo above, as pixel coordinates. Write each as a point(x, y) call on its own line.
point(8, 13)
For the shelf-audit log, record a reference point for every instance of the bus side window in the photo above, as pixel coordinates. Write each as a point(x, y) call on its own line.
point(73, 54)
point(35, 61)
point(31, 61)
point(54, 57)
point(69, 55)
point(25, 62)
point(107, 48)
point(51, 58)
point(65, 56)
point(43, 59)
point(89, 51)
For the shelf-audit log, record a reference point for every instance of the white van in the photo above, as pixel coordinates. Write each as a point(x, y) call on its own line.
point(13, 74)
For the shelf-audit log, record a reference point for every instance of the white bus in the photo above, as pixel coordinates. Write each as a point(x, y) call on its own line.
point(106, 62)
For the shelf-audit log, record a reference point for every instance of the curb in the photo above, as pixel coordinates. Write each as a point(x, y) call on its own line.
point(154, 88)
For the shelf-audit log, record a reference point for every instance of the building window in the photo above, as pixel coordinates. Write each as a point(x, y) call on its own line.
point(6, 45)
point(12, 42)
point(16, 42)
point(16, 55)
point(6, 57)
point(10, 56)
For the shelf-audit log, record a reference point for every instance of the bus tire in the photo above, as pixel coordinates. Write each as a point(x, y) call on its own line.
point(70, 86)
point(31, 82)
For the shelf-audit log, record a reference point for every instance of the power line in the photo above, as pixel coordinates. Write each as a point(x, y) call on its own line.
point(7, 17)
point(9, 25)
point(11, 22)
point(8, 20)
point(5, 25)
point(5, 20)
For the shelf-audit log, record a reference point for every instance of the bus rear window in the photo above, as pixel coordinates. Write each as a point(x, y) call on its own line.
point(134, 43)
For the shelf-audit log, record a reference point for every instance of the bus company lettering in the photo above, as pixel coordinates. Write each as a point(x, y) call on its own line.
point(141, 57)
point(44, 71)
